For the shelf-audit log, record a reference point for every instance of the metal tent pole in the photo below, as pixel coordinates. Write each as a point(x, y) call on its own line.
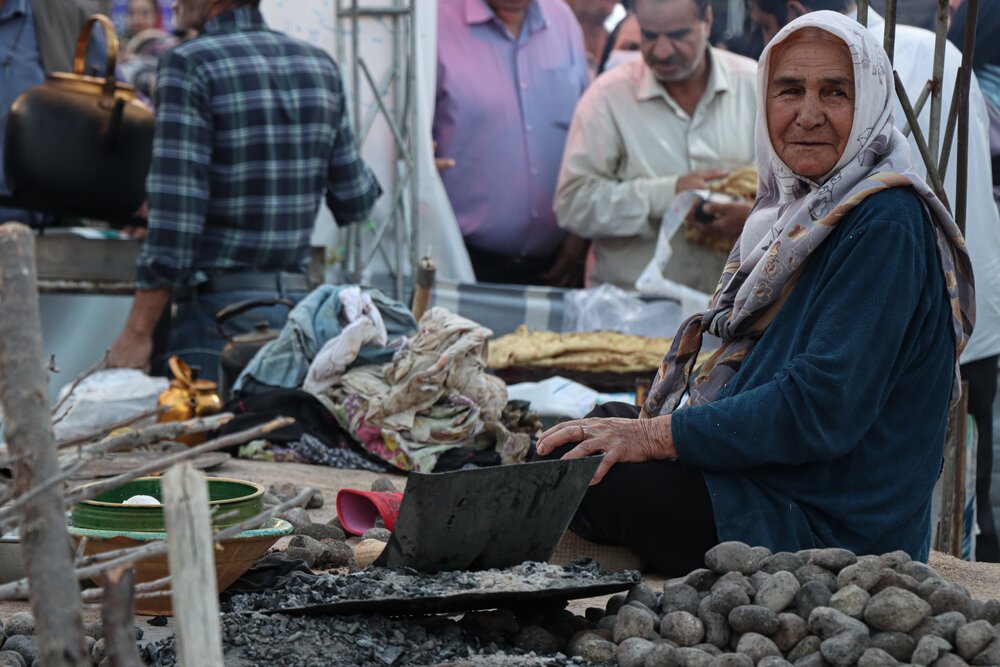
point(394, 97)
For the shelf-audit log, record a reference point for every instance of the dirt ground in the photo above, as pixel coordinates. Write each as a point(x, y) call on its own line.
point(982, 579)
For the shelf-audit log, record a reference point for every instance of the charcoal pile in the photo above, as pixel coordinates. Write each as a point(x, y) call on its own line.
point(258, 640)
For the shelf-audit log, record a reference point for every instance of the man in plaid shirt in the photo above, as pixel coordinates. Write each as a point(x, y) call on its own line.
point(252, 128)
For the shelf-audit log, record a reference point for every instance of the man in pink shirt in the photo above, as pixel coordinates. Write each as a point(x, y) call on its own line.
point(509, 75)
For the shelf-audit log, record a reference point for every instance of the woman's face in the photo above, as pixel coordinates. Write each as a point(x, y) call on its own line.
point(810, 105)
point(141, 15)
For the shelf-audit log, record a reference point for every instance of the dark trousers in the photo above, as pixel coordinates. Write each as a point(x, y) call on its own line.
point(982, 378)
point(658, 509)
point(491, 267)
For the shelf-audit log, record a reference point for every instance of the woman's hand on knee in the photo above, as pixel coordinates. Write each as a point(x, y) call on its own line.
point(620, 440)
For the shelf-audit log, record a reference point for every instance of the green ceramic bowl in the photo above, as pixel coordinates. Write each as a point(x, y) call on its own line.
point(239, 499)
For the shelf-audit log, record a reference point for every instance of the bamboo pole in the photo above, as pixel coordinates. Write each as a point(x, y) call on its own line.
point(45, 545)
point(863, 12)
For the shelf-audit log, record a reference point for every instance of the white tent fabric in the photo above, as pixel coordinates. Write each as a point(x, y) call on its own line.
point(315, 22)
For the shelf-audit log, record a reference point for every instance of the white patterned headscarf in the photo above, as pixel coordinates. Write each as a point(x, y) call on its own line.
point(793, 216)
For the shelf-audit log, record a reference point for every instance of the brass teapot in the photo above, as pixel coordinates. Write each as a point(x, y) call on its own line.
point(187, 398)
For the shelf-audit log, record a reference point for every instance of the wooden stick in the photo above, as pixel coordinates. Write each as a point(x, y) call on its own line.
point(152, 588)
point(153, 433)
point(76, 383)
point(16, 590)
point(190, 550)
point(45, 544)
point(118, 616)
point(105, 430)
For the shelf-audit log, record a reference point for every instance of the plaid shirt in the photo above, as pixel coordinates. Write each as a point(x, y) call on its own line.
point(251, 128)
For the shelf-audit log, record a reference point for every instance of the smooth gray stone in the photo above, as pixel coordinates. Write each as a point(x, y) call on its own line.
point(732, 557)
point(791, 630)
point(896, 610)
point(680, 597)
point(683, 628)
point(851, 599)
point(634, 622)
point(753, 618)
point(757, 646)
point(863, 574)
point(833, 559)
point(826, 622)
point(778, 592)
point(973, 638)
point(843, 650)
point(633, 651)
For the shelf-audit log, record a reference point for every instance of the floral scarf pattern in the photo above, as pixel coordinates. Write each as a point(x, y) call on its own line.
point(798, 215)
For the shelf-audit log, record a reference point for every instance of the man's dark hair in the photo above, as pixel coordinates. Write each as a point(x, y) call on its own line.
point(776, 8)
point(247, 3)
point(832, 5)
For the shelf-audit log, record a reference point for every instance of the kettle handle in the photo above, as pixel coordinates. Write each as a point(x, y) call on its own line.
point(241, 307)
point(110, 38)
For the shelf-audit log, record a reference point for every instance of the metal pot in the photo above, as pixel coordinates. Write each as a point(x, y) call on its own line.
point(241, 348)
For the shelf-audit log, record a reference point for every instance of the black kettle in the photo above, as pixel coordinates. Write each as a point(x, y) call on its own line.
point(80, 144)
point(242, 347)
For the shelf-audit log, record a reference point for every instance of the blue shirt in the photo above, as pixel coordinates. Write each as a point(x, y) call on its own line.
point(20, 67)
point(251, 128)
point(831, 433)
point(503, 110)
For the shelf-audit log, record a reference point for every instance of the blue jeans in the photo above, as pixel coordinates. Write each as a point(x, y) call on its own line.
point(195, 335)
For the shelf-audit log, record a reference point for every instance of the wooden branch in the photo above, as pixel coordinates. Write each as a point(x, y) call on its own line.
point(190, 550)
point(82, 561)
point(17, 590)
point(238, 438)
point(158, 433)
point(93, 490)
point(118, 616)
point(45, 544)
point(105, 430)
point(146, 589)
point(76, 383)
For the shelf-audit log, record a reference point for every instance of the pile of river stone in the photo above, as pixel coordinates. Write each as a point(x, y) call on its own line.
point(813, 608)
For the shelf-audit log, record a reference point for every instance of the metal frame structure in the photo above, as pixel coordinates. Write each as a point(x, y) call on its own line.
point(394, 95)
point(934, 151)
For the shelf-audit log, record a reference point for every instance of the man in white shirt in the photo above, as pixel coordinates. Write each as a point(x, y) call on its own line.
point(648, 129)
point(913, 59)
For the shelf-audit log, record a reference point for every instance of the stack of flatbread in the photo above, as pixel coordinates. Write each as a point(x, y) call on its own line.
point(741, 184)
point(594, 351)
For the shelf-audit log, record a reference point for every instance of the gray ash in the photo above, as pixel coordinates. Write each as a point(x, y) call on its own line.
point(303, 590)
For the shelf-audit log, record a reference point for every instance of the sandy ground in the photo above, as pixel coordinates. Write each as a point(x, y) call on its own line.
point(982, 579)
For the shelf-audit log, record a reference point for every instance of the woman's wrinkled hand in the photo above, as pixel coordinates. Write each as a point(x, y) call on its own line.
point(620, 440)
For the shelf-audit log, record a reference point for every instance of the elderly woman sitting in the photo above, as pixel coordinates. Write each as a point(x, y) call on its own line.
point(820, 421)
